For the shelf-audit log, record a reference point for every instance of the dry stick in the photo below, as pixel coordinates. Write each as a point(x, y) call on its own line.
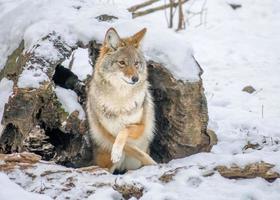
point(262, 110)
point(151, 10)
point(165, 15)
point(171, 14)
point(141, 5)
point(181, 23)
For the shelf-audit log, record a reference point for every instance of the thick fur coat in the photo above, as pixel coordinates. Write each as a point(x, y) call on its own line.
point(119, 106)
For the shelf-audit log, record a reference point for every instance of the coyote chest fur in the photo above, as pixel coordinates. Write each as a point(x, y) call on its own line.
point(119, 106)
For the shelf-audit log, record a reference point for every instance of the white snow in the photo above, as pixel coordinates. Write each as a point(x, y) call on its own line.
point(47, 50)
point(80, 64)
point(6, 89)
point(174, 52)
point(235, 48)
point(69, 100)
point(105, 193)
point(11, 191)
point(32, 78)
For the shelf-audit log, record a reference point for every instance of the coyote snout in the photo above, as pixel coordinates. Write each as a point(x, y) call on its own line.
point(131, 75)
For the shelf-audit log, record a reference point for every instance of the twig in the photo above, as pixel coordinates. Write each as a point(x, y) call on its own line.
point(181, 22)
point(202, 13)
point(141, 5)
point(165, 14)
point(262, 110)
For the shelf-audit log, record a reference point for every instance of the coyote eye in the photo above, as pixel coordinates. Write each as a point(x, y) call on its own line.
point(136, 63)
point(122, 63)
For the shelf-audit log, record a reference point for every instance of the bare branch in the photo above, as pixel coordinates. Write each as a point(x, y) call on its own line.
point(181, 23)
point(142, 5)
point(151, 10)
point(171, 13)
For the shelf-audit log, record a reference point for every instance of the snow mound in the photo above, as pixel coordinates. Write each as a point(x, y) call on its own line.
point(69, 101)
point(6, 88)
point(13, 191)
point(32, 78)
point(79, 63)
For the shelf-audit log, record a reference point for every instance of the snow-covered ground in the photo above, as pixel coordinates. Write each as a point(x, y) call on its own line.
point(6, 88)
point(12, 191)
point(235, 48)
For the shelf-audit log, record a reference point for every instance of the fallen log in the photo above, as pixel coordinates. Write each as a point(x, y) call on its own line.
point(34, 119)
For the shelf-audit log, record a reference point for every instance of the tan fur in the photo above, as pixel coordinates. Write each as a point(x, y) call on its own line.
point(129, 71)
point(103, 159)
point(135, 39)
point(130, 150)
point(135, 131)
point(121, 112)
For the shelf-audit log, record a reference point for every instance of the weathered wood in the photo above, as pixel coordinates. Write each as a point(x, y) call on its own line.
point(129, 191)
point(261, 169)
point(141, 5)
point(181, 116)
point(22, 160)
point(34, 119)
point(151, 10)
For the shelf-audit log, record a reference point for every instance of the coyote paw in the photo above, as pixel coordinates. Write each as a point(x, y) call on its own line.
point(116, 154)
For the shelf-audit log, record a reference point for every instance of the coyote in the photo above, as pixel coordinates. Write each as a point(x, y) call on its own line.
point(119, 106)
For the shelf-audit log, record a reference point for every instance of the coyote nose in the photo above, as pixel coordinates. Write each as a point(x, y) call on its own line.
point(134, 79)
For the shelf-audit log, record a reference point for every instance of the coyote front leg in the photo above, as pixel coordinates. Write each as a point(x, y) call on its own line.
point(132, 151)
point(118, 145)
point(133, 131)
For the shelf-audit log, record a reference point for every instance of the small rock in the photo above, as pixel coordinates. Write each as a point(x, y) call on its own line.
point(249, 89)
point(250, 145)
point(235, 6)
point(129, 190)
point(106, 18)
point(168, 176)
point(194, 182)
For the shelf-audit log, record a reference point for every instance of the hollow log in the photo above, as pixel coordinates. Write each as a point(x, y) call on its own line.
point(35, 121)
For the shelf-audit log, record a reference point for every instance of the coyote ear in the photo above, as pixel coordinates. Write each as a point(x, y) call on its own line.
point(137, 37)
point(112, 39)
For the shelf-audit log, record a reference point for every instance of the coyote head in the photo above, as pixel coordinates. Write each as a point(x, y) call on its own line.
point(121, 61)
